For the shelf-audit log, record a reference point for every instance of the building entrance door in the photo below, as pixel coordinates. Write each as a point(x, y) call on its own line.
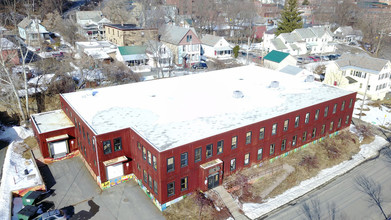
point(213, 180)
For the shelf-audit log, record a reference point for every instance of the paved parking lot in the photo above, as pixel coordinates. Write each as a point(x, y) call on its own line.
point(75, 188)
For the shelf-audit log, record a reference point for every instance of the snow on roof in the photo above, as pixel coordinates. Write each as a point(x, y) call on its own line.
point(362, 62)
point(50, 121)
point(211, 40)
point(5, 44)
point(176, 111)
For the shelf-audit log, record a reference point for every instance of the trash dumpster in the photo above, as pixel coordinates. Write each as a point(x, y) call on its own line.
point(31, 197)
point(28, 212)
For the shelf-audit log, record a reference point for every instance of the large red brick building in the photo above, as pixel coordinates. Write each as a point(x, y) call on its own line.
point(181, 134)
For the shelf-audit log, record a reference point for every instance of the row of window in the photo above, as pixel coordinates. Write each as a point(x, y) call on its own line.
point(384, 75)
point(117, 142)
point(220, 144)
point(171, 186)
point(381, 86)
point(151, 183)
point(147, 154)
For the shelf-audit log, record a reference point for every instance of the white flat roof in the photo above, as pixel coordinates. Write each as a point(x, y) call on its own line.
point(51, 121)
point(175, 111)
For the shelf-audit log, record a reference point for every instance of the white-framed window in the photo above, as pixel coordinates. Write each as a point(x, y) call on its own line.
point(307, 117)
point(246, 158)
point(286, 124)
point(234, 142)
point(297, 119)
point(184, 159)
point(283, 145)
point(232, 166)
point(170, 164)
point(261, 133)
point(274, 129)
point(259, 154)
point(248, 137)
point(294, 139)
point(271, 149)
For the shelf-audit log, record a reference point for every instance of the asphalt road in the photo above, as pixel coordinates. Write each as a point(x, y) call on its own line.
point(343, 193)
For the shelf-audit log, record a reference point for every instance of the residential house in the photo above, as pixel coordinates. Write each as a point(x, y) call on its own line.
point(183, 42)
point(183, 134)
point(91, 23)
point(9, 52)
point(276, 60)
point(99, 50)
point(312, 40)
point(347, 34)
point(159, 55)
point(132, 55)
point(32, 32)
point(215, 47)
point(129, 34)
point(360, 73)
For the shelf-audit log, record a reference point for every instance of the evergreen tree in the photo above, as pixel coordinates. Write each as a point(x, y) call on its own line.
point(290, 18)
point(305, 2)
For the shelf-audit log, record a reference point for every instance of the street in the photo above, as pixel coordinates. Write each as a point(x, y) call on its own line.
point(349, 202)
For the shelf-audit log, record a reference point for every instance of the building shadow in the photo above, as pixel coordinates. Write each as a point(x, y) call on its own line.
point(83, 214)
point(46, 174)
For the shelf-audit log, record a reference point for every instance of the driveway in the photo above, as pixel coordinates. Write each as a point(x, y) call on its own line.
point(75, 188)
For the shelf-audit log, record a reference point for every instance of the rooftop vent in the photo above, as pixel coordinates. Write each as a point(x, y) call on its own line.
point(274, 84)
point(237, 94)
point(310, 78)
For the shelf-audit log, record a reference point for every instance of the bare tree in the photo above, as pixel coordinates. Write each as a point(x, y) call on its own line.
point(372, 189)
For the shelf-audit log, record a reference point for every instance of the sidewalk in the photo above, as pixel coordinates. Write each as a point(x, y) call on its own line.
point(257, 210)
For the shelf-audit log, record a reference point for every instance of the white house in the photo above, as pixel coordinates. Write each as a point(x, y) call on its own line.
point(277, 59)
point(216, 47)
point(312, 40)
point(32, 32)
point(159, 55)
point(91, 23)
point(358, 72)
point(347, 34)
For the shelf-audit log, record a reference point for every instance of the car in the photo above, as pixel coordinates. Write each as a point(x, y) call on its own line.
point(200, 66)
point(51, 215)
point(314, 59)
point(325, 57)
point(332, 57)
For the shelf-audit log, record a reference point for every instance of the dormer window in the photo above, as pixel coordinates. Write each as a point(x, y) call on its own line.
point(188, 37)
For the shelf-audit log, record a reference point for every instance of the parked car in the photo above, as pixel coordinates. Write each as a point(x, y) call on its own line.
point(51, 215)
point(300, 60)
point(332, 57)
point(200, 65)
point(325, 57)
point(314, 59)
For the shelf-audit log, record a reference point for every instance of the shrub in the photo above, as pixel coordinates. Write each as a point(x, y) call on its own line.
point(309, 162)
point(236, 51)
point(364, 130)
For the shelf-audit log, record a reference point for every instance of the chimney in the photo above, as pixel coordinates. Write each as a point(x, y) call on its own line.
point(122, 23)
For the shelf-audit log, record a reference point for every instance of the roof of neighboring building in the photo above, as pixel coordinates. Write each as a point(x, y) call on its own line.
point(25, 22)
point(305, 33)
point(351, 80)
point(290, 37)
point(321, 30)
point(5, 44)
point(173, 34)
point(211, 40)
point(89, 15)
point(347, 30)
point(271, 31)
point(172, 112)
point(131, 50)
point(51, 121)
point(363, 62)
point(276, 56)
point(292, 70)
point(294, 47)
point(278, 44)
point(125, 27)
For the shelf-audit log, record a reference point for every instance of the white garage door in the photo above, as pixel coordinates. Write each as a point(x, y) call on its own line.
point(114, 171)
point(59, 148)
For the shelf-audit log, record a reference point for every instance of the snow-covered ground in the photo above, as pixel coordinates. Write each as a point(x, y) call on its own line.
point(13, 169)
point(255, 210)
point(374, 115)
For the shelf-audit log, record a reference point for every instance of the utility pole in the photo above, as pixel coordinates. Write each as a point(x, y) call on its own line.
point(248, 48)
point(365, 95)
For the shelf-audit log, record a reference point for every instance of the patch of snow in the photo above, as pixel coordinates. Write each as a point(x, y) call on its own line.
point(15, 133)
point(375, 115)
point(13, 169)
point(255, 210)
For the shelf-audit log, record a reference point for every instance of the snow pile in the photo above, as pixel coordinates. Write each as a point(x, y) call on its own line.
point(255, 210)
point(14, 167)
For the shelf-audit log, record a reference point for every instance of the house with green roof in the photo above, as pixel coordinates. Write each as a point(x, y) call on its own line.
point(132, 55)
point(277, 59)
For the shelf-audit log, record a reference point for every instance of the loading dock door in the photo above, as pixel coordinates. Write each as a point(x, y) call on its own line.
point(59, 148)
point(114, 171)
